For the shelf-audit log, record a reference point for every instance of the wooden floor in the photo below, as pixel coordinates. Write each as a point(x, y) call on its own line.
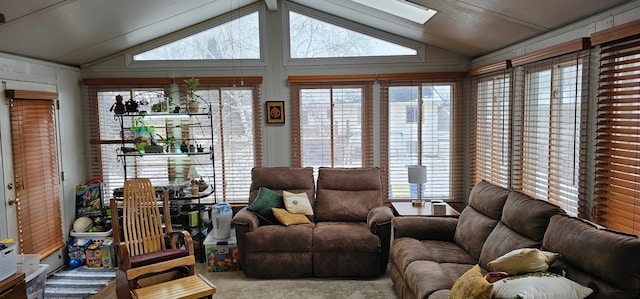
point(108, 292)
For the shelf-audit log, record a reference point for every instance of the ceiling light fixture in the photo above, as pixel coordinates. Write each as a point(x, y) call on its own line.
point(404, 9)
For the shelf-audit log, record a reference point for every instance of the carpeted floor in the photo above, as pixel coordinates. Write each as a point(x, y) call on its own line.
point(234, 285)
point(80, 282)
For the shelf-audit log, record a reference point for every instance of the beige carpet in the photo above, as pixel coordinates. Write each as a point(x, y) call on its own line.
point(236, 285)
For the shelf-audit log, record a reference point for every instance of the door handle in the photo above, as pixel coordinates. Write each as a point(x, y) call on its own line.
point(13, 200)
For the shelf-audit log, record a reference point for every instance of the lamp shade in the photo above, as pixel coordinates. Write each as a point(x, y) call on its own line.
point(417, 174)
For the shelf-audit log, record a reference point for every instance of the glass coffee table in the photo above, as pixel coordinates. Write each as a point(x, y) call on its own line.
point(406, 208)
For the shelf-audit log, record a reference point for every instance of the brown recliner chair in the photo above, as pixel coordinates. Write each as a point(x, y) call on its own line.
point(349, 235)
point(143, 247)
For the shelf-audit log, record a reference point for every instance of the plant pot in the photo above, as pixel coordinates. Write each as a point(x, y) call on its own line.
point(193, 107)
point(153, 149)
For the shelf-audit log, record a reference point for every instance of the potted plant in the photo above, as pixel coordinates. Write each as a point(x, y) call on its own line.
point(170, 142)
point(142, 132)
point(191, 85)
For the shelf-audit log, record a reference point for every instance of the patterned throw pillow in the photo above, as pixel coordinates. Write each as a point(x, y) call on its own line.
point(471, 285)
point(539, 285)
point(287, 218)
point(297, 203)
point(264, 202)
point(524, 260)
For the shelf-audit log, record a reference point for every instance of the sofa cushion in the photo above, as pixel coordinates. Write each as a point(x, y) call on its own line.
point(344, 237)
point(424, 278)
point(285, 218)
point(264, 202)
point(278, 179)
point(471, 285)
point(479, 218)
point(604, 260)
point(278, 238)
point(408, 250)
point(539, 285)
point(528, 216)
point(297, 203)
point(347, 194)
point(523, 260)
point(502, 240)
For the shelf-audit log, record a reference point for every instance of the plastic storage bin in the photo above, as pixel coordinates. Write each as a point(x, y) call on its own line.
point(222, 254)
point(28, 263)
point(8, 260)
point(36, 282)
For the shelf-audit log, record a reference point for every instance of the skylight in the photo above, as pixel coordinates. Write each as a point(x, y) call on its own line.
point(404, 9)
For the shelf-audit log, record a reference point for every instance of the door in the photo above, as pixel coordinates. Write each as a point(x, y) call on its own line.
point(31, 172)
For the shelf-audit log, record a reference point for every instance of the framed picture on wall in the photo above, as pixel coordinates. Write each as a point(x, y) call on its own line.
point(275, 112)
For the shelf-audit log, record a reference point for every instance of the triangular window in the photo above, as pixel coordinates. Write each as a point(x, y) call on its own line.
point(312, 38)
point(235, 39)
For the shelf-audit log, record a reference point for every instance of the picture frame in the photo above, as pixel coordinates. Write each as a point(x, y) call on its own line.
point(275, 112)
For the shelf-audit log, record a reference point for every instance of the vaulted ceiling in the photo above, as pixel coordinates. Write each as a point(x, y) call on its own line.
point(76, 32)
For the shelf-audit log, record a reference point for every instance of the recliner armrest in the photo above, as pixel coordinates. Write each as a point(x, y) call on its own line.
point(425, 228)
point(380, 215)
point(246, 219)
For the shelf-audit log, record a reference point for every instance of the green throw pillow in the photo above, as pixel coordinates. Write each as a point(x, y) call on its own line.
point(264, 202)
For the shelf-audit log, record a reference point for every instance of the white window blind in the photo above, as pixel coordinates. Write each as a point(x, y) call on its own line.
point(236, 137)
point(548, 120)
point(492, 133)
point(332, 123)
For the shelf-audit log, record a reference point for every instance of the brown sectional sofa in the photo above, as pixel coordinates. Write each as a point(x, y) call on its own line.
point(428, 254)
point(349, 235)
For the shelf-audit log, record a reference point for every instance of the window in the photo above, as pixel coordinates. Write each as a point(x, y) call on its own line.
point(332, 124)
point(617, 187)
point(548, 124)
point(492, 134)
point(317, 39)
point(433, 139)
point(236, 139)
point(236, 39)
point(33, 120)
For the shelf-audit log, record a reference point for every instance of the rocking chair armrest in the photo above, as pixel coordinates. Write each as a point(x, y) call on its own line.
point(188, 241)
point(122, 255)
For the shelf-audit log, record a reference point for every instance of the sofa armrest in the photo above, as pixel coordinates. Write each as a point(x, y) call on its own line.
point(247, 219)
point(379, 222)
point(244, 222)
point(425, 228)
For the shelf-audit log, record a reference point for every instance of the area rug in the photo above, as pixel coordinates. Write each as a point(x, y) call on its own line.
point(80, 282)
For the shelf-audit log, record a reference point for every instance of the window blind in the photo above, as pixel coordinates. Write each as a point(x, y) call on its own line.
point(491, 146)
point(548, 120)
point(617, 189)
point(237, 145)
point(421, 123)
point(36, 175)
point(332, 121)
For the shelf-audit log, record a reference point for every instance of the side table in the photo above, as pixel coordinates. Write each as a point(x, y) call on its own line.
point(405, 208)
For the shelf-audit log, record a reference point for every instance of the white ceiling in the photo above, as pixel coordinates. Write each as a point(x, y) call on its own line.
point(75, 32)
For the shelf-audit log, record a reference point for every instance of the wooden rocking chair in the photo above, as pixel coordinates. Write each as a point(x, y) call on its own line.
point(144, 248)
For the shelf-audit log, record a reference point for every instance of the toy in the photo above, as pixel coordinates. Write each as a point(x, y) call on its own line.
point(118, 106)
point(74, 263)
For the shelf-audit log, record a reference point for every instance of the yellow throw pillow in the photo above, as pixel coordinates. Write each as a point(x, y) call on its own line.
point(297, 203)
point(524, 260)
point(471, 285)
point(287, 218)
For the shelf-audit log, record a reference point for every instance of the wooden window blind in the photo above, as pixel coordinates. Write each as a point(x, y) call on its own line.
point(236, 118)
point(332, 121)
point(491, 145)
point(36, 172)
point(548, 121)
point(617, 189)
point(430, 135)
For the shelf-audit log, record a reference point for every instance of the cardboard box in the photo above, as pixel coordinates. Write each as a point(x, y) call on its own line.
point(94, 255)
point(108, 255)
point(8, 260)
point(222, 254)
point(36, 282)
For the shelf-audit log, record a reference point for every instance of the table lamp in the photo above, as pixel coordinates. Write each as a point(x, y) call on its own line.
point(418, 176)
